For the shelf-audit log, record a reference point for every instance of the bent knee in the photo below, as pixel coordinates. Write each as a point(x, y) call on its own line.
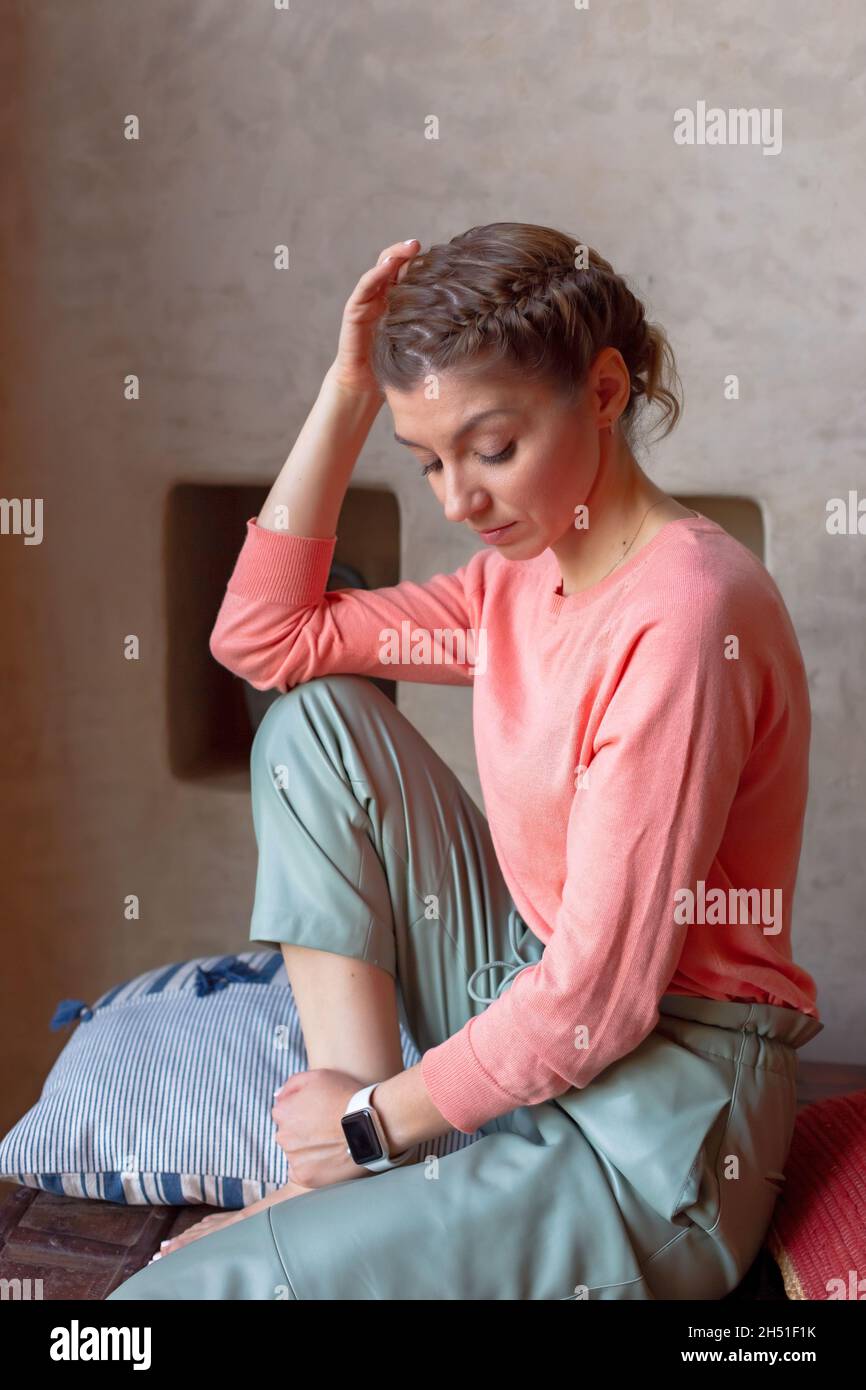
point(285, 718)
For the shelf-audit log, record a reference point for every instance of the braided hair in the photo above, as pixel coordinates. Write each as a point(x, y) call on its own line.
point(523, 297)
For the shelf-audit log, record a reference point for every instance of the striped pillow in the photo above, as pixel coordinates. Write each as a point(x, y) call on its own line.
point(162, 1096)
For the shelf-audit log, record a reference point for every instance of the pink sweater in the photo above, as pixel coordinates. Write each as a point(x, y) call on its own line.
point(641, 745)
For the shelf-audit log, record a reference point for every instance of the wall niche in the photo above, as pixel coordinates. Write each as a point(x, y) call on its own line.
point(211, 714)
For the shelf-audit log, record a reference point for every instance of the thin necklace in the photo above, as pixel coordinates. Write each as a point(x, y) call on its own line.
point(632, 541)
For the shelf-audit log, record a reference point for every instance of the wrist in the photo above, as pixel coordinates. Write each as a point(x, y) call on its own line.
point(406, 1112)
point(362, 397)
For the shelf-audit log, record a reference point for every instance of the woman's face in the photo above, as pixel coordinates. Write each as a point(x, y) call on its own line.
point(547, 455)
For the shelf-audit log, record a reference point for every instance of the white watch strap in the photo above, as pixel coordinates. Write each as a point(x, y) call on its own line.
point(362, 1100)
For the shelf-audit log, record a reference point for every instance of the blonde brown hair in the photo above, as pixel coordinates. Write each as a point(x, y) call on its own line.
point(510, 294)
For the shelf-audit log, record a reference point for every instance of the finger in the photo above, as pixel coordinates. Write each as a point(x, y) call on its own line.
point(399, 248)
point(402, 257)
point(375, 281)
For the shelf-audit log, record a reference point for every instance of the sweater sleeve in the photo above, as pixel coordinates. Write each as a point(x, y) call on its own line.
point(667, 757)
point(279, 626)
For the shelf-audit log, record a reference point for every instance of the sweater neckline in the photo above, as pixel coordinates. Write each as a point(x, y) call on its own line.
point(558, 603)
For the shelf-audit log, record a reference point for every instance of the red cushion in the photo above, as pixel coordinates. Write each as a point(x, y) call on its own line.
point(818, 1232)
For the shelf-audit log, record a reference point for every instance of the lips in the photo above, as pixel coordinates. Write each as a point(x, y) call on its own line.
point(496, 530)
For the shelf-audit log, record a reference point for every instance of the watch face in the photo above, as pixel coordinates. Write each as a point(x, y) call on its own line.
point(361, 1137)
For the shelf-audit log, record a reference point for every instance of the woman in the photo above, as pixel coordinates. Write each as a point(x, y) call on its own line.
point(642, 722)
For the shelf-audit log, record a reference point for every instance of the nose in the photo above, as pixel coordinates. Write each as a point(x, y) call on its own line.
point(460, 501)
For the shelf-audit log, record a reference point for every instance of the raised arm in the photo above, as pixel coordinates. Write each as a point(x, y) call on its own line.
point(278, 625)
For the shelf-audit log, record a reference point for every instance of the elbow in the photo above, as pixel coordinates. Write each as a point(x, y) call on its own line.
point(225, 654)
point(255, 665)
point(244, 663)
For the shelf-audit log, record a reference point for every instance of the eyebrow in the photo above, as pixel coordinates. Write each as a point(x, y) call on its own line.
point(467, 425)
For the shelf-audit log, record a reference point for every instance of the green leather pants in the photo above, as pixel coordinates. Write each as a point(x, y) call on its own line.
point(655, 1181)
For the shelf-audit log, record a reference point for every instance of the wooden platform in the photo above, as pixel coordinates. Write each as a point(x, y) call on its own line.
point(83, 1249)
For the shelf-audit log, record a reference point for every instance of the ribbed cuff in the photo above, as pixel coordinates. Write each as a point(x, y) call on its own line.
point(462, 1091)
point(275, 567)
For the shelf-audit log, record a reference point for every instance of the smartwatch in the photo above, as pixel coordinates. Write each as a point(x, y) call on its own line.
point(365, 1137)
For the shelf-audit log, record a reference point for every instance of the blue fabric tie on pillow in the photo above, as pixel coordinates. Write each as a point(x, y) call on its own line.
point(163, 1094)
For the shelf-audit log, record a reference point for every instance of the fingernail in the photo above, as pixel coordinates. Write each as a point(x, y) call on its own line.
point(409, 240)
point(163, 1244)
point(156, 1257)
point(387, 259)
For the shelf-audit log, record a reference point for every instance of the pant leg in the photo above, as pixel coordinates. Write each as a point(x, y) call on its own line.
point(237, 1262)
point(655, 1182)
point(370, 846)
point(521, 1214)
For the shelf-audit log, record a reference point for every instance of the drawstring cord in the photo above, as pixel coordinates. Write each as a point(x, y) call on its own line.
point(513, 967)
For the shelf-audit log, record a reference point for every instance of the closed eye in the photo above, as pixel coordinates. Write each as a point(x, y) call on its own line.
point(506, 453)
